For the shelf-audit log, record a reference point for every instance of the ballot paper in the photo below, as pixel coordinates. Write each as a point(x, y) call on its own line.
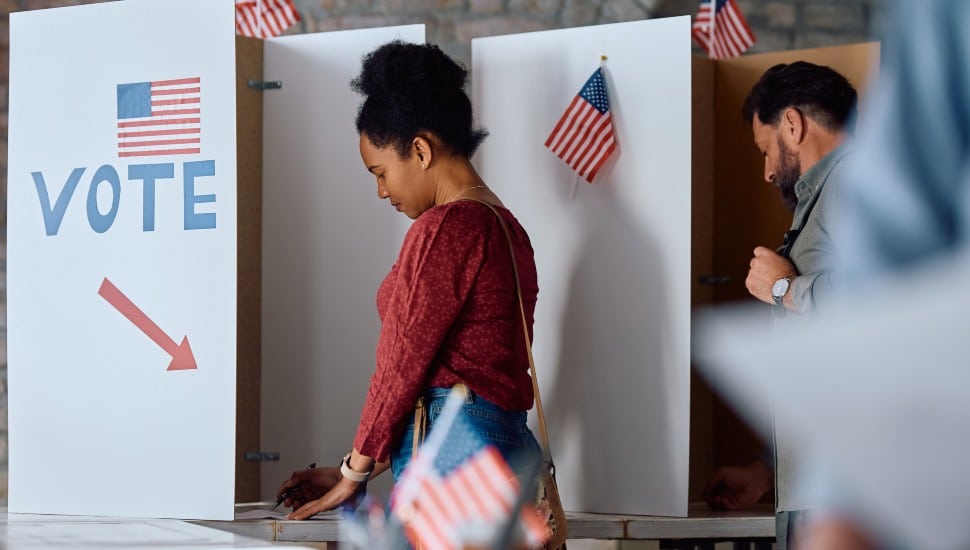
point(877, 388)
point(279, 514)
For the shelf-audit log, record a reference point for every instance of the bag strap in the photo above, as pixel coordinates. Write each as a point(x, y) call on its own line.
point(543, 432)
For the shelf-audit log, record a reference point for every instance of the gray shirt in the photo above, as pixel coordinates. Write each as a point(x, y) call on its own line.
point(814, 252)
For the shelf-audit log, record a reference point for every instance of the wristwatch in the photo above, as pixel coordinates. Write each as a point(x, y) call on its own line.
point(352, 474)
point(779, 289)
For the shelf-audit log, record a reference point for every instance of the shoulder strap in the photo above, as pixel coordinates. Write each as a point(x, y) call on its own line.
point(792, 234)
point(543, 433)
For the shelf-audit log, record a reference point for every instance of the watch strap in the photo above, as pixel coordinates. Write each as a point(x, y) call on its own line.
point(350, 473)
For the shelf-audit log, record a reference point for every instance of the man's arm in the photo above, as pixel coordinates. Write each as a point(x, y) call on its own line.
point(767, 266)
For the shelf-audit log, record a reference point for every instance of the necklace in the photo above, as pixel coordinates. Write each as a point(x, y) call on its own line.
point(467, 189)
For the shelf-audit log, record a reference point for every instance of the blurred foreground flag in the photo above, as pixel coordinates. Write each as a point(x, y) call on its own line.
point(265, 18)
point(459, 490)
point(583, 137)
point(726, 34)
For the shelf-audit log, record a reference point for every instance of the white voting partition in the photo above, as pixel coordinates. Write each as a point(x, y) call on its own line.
point(612, 322)
point(875, 387)
point(122, 259)
point(327, 243)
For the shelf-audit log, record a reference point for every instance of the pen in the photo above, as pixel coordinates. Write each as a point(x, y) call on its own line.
point(289, 491)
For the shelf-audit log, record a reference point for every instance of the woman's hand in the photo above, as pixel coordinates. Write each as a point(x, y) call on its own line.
point(343, 491)
point(308, 485)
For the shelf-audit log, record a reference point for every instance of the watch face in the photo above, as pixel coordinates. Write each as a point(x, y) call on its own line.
point(779, 288)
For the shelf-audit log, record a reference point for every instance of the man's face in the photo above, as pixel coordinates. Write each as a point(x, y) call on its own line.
point(782, 167)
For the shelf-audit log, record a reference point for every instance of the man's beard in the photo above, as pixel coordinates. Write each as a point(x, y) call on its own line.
point(787, 175)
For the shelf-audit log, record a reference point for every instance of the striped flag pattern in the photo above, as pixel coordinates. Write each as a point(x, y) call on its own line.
point(727, 35)
point(455, 482)
point(162, 117)
point(583, 138)
point(265, 18)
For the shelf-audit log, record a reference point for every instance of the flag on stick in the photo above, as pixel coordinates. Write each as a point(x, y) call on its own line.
point(726, 34)
point(265, 18)
point(458, 485)
point(583, 137)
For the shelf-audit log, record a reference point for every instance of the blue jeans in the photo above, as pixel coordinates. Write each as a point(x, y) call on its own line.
point(506, 430)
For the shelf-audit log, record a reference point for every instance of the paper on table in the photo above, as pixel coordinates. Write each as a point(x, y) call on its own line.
point(279, 514)
point(879, 391)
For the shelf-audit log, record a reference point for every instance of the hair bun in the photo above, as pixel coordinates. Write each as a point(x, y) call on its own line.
point(411, 88)
point(400, 69)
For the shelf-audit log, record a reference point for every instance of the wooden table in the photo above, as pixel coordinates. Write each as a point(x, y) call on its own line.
point(700, 529)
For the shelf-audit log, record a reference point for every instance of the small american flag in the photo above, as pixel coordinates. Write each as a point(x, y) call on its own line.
point(727, 35)
point(583, 137)
point(265, 18)
point(162, 117)
point(457, 482)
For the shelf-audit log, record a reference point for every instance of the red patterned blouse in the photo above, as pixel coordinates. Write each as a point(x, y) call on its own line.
point(450, 313)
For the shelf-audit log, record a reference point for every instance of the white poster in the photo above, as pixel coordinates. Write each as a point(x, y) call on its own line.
point(612, 334)
point(328, 241)
point(122, 259)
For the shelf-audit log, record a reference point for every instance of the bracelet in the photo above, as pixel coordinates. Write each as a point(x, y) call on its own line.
point(350, 473)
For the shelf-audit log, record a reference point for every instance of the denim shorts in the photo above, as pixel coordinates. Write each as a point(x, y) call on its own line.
point(506, 430)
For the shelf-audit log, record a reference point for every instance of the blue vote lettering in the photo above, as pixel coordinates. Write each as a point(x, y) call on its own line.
point(149, 174)
point(102, 222)
point(106, 177)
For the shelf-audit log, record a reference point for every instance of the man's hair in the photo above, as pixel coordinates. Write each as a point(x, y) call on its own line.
point(817, 91)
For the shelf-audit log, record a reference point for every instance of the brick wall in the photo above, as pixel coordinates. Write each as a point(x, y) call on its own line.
point(778, 24)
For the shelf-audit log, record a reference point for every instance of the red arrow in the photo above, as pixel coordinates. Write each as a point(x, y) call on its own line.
point(182, 358)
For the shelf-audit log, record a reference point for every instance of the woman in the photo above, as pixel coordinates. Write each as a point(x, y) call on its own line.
point(449, 307)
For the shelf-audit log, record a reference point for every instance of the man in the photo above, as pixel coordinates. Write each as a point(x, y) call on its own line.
point(798, 114)
point(908, 213)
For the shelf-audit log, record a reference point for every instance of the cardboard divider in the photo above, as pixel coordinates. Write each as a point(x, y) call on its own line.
point(249, 170)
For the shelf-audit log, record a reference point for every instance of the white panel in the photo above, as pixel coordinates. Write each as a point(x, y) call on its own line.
point(874, 397)
point(327, 243)
point(612, 323)
point(97, 423)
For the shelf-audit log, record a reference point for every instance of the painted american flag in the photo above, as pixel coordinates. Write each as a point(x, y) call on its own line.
point(727, 34)
point(457, 482)
point(583, 138)
point(161, 117)
point(265, 18)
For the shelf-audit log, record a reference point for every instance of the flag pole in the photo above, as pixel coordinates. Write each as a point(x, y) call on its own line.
point(528, 477)
point(711, 37)
point(572, 196)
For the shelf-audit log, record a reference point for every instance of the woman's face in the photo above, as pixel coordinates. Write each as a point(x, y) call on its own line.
point(402, 181)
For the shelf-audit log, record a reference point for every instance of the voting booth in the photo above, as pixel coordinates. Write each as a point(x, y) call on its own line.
point(735, 210)
point(191, 304)
point(612, 330)
point(128, 318)
point(140, 237)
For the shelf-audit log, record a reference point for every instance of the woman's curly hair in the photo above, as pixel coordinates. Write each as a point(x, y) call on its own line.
point(413, 88)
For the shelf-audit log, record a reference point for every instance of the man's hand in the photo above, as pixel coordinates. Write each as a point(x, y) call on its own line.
point(738, 487)
point(767, 266)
